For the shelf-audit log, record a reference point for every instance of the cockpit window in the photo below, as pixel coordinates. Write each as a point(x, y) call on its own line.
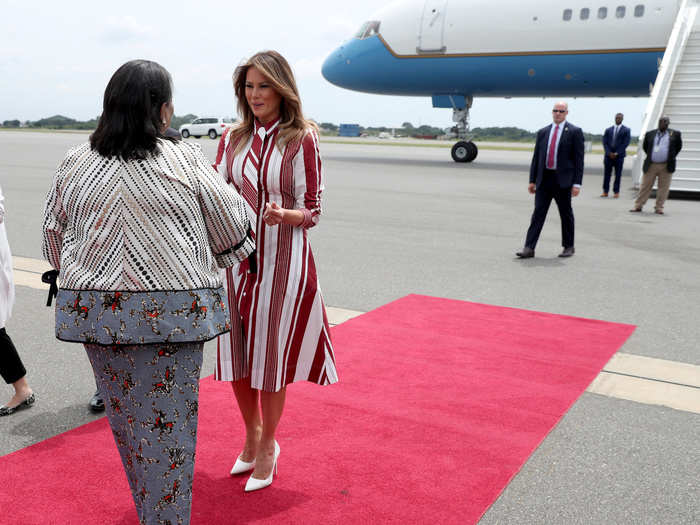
point(368, 29)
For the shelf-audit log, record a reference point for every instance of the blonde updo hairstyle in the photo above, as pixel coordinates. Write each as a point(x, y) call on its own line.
point(275, 68)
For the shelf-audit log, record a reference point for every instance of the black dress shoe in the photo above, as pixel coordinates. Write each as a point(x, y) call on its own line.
point(568, 252)
point(97, 404)
point(526, 253)
point(29, 401)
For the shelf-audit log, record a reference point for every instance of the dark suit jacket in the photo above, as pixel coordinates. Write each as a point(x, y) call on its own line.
point(569, 156)
point(674, 146)
point(621, 143)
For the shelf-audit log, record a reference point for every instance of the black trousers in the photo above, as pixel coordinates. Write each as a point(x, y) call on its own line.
point(11, 367)
point(608, 165)
point(548, 190)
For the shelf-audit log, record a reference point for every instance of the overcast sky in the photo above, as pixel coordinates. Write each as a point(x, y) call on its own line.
point(56, 58)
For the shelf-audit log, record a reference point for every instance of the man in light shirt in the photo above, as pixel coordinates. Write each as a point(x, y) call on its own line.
point(661, 146)
point(556, 172)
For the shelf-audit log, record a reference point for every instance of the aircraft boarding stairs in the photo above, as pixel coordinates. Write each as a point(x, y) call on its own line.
point(676, 93)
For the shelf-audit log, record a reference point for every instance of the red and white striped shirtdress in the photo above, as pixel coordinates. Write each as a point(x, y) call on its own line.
point(279, 327)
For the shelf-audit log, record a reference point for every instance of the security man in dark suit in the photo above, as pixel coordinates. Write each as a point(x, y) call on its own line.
point(615, 141)
point(556, 172)
point(661, 146)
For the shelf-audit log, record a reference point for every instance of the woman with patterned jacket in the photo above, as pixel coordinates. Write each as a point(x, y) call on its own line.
point(279, 328)
point(139, 225)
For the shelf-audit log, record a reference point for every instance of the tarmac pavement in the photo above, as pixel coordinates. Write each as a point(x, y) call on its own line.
point(403, 220)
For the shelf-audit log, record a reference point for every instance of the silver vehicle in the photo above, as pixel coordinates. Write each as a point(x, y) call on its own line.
point(212, 126)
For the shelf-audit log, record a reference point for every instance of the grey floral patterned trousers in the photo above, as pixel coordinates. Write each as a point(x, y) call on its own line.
point(151, 398)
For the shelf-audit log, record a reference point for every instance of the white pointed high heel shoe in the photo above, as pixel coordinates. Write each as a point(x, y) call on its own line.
point(257, 484)
point(240, 466)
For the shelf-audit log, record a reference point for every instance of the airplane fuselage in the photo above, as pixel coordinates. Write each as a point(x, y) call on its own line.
point(506, 48)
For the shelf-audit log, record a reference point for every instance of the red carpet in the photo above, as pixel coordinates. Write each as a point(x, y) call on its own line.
point(440, 403)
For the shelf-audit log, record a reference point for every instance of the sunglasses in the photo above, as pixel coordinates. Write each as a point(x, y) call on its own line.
point(558, 111)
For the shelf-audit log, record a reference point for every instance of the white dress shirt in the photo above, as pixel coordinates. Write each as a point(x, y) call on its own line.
point(659, 152)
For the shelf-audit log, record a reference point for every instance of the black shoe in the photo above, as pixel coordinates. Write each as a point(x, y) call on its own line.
point(635, 210)
point(97, 404)
point(568, 252)
point(526, 253)
point(29, 401)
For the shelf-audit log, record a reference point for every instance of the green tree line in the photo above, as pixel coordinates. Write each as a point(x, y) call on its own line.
point(61, 122)
point(490, 134)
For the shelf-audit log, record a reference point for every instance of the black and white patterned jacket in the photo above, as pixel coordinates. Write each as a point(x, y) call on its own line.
point(139, 245)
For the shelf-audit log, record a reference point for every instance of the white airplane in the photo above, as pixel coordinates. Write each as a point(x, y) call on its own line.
point(454, 50)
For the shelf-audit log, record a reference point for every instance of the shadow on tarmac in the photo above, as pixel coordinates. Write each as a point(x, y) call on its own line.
point(540, 261)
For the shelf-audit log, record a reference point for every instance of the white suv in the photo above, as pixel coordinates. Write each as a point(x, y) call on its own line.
point(211, 126)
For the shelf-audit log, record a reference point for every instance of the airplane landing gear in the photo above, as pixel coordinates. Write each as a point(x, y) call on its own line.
point(464, 150)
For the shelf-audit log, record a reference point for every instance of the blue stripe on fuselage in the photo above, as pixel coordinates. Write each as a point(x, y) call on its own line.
point(368, 66)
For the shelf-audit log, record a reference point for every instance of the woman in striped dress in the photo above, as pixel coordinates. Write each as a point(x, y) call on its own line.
point(279, 331)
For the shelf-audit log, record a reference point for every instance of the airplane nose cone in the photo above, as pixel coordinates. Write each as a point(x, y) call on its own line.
point(334, 66)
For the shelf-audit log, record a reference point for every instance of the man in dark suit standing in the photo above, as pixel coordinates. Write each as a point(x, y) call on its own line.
point(615, 141)
point(661, 146)
point(556, 172)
